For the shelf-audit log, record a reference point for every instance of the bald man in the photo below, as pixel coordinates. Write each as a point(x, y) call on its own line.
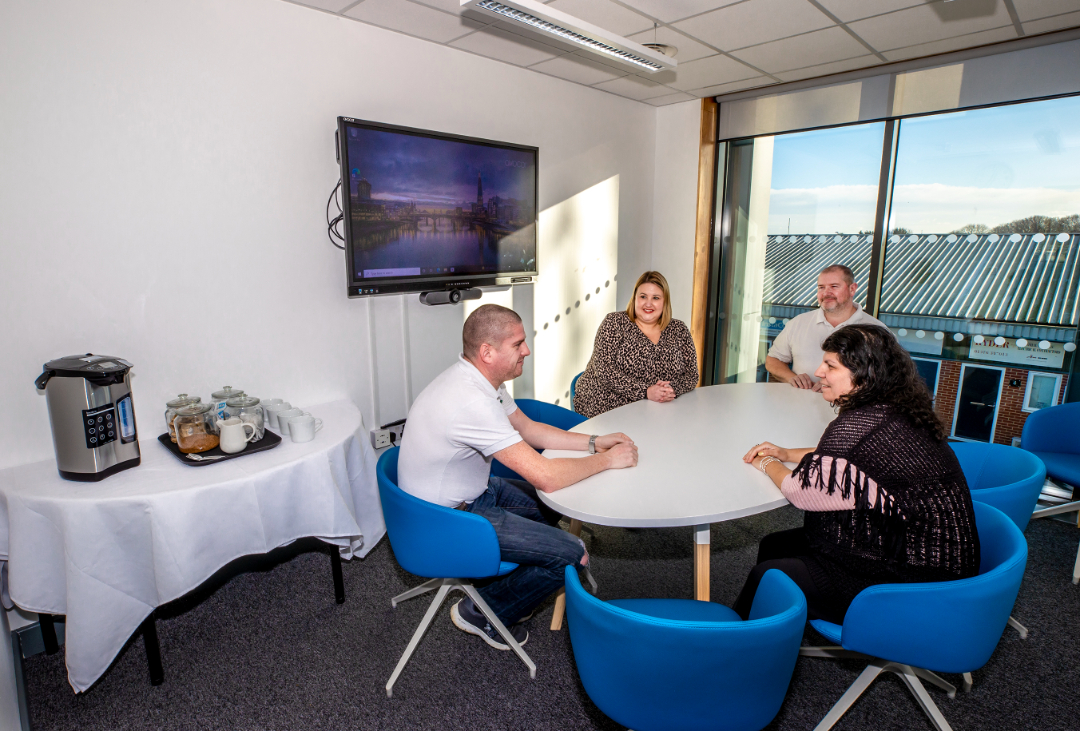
point(466, 417)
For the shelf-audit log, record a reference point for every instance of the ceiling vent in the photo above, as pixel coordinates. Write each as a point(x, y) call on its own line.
point(553, 25)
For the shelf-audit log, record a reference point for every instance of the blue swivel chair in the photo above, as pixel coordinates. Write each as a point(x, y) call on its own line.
point(449, 546)
point(1008, 478)
point(573, 388)
point(918, 630)
point(1053, 435)
point(685, 665)
point(543, 412)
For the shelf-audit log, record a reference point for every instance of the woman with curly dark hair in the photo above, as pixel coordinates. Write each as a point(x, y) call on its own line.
point(885, 499)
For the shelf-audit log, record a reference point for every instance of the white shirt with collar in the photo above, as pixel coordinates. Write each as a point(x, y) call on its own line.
point(799, 343)
point(454, 427)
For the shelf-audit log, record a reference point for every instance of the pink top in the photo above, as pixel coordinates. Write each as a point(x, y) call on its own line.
point(816, 500)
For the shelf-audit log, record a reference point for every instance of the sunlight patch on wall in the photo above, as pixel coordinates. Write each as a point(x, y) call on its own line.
point(579, 254)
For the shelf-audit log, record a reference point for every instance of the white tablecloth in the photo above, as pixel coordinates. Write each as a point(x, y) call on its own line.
point(106, 554)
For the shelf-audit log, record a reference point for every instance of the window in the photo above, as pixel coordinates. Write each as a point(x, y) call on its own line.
point(1042, 390)
point(929, 371)
point(982, 257)
point(794, 204)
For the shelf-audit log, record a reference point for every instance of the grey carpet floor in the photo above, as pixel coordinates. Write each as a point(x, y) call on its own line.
point(263, 646)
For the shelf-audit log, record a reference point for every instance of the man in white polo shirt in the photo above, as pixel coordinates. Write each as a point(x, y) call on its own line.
point(796, 353)
point(462, 420)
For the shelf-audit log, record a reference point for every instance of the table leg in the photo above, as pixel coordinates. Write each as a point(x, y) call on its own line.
point(702, 544)
point(153, 650)
point(335, 568)
point(48, 634)
point(560, 600)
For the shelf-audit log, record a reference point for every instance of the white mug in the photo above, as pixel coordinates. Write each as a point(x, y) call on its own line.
point(234, 436)
point(272, 412)
point(284, 416)
point(303, 428)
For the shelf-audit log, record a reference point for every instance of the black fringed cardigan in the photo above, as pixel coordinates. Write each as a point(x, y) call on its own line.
point(921, 527)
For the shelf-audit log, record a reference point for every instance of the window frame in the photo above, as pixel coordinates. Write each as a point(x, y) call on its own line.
point(1027, 390)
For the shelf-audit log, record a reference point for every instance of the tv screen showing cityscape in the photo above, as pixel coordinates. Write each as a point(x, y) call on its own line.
point(434, 206)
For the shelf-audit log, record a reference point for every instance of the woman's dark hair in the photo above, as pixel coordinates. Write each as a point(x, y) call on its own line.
point(882, 372)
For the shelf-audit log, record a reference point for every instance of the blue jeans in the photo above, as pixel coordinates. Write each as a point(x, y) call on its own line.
point(527, 537)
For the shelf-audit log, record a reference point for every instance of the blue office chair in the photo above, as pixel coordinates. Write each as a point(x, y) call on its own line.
point(918, 630)
point(543, 412)
point(685, 665)
point(446, 544)
point(1053, 435)
point(573, 387)
point(1008, 478)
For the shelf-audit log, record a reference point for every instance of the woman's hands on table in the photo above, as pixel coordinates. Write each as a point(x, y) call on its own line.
point(766, 449)
point(661, 392)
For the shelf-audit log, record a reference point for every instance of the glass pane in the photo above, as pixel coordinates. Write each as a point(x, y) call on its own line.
point(982, 261)
point(794, 204)
point(1042, 391)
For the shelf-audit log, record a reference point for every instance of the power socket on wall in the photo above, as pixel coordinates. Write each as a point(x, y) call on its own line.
point(388, 435)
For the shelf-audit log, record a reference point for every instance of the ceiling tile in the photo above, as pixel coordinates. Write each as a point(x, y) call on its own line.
point(669, 10)
point(503, 46)
point(661, 101)
point(576, 68)
point(1035, 9)
point(689, 49)
point(334, 6)
point(705, 72)
point(825, 69)
point(847, 10)
point(605, 14)
point(934, 22)
point(952, 44)
point(755, 21)
point(1058, 22)
point(733, 86)
point(416, 20)
point(810, 49)
point(633, 87)
point(449, 6)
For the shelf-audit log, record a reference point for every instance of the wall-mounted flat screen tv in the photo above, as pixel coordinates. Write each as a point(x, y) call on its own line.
point(429, 211)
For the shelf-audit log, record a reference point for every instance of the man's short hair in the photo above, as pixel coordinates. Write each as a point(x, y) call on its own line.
point(849, 276)
point(487, 324)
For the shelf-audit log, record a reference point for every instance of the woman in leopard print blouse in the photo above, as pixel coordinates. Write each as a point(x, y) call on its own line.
point(640, 353)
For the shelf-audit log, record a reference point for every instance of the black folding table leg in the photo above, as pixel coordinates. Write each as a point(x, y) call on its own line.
point(153, 650)
point(48, 634)
point(339, 580)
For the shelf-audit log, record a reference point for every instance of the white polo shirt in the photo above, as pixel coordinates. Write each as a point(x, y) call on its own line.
point(799, 343)
point(455, 426)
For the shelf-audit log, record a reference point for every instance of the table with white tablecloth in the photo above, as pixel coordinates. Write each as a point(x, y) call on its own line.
point(106, 554)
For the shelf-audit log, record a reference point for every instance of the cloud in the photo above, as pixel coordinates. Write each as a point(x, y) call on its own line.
point(923, 208)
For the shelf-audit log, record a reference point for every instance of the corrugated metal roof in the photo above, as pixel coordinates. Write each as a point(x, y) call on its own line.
point(1030, 278)
point(793, 261)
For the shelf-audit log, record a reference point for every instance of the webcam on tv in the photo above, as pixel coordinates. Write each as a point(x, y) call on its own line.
point(449, 296)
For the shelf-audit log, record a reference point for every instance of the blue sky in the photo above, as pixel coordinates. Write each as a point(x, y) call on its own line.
point(984, 166)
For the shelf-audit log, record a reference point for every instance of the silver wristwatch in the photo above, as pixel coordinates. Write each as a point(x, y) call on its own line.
point(592, 443)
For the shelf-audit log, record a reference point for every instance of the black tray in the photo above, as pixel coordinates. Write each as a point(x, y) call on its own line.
point(269, 441)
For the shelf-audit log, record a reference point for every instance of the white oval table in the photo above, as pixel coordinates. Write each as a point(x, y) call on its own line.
point(690, 469)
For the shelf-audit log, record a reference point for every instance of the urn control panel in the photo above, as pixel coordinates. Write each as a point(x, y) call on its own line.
point(100, 425)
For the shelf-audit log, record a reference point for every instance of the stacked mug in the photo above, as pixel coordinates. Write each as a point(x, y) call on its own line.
point(291, 422)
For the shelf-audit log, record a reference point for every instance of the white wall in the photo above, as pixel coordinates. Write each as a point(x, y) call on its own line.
point(675, 201)
point(165, 172)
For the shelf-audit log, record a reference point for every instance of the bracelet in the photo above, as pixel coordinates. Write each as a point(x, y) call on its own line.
point(765, 463)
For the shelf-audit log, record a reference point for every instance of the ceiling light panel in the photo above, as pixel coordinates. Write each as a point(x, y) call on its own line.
point(553, 25)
